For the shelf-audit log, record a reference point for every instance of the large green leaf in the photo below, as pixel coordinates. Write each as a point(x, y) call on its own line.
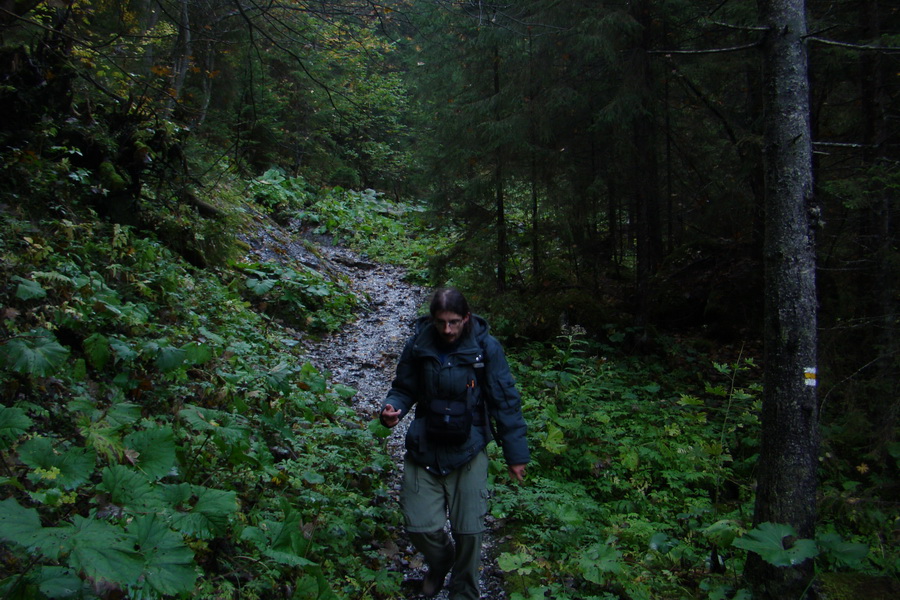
point(199, 419)
point(122, 350)
point(60, 582)
point(289, 559)
point(128, 488)
point(154, 450)
point(521, 563)
point(13, 423)
point(19, 525)
point(230, 430)
point(98, 549)
point(96, 348)
point(260, 287)
point(37, 353)
point(197, 353)
point(200, 511)
point(847, 554)
point(168, 564)
point(662, 543)
point(285, 534)
point(281, 540)
point(102, 551)
point(378, 430)
point(28, 289)
point(767, 540)
point(170, 358)
point(22, 526)
point(599, 561)
point(722, 532)
point(555, 440)
point(122, 413)
point(313, 585)
point(75, 464)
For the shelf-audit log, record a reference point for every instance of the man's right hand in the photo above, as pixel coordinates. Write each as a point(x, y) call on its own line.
point(389, 416)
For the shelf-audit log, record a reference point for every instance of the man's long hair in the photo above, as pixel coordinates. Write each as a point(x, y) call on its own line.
point(451, 300)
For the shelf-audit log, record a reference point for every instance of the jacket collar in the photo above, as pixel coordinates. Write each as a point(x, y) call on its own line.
point(426, 343)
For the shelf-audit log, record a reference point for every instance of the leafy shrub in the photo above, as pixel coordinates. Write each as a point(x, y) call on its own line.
point(161, 438)
point(299, 298)
point(641, 485)
point(365, 221)
point(280, 194)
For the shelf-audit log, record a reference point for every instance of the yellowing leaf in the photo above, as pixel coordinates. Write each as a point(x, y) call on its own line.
point(555, 440)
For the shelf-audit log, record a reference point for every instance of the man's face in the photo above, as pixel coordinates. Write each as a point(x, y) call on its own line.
point(449, 325)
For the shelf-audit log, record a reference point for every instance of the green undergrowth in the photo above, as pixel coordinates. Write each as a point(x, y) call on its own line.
point(297, 296)
point(641, 482)
point(161, 436)
point(391, 232)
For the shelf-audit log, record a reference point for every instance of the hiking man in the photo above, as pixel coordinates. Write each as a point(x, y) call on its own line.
point(456, 375)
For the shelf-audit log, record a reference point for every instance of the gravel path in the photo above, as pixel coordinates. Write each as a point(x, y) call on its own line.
point(364, 354)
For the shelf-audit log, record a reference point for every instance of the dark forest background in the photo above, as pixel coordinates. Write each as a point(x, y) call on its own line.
point(588, 165)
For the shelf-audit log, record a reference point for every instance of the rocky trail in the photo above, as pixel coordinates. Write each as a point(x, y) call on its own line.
point(363, 355)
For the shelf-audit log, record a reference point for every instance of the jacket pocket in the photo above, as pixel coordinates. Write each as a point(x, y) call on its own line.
point(413, 441)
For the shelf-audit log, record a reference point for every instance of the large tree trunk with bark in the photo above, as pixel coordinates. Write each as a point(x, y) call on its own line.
point(788, 459)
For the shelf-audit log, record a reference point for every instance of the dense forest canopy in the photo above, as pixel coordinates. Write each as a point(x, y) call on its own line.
point(588, 167)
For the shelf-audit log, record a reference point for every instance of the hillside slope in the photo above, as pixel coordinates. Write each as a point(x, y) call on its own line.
point(165, 429)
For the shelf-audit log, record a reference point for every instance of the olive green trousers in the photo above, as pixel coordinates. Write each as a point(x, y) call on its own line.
point(428, 500)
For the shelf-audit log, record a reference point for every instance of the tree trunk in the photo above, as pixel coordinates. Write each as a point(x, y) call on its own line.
point(533, 143)
point(207, 85)
point(150, 14)
point(645, 164)
point(786, 489)
point(181, 56)
point(875, 105)
point(502, 250)
point(501, 227)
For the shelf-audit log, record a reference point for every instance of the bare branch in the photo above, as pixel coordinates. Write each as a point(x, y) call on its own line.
point(843, 145)
point(740, 27)
point(866, 47)
point(749, 46)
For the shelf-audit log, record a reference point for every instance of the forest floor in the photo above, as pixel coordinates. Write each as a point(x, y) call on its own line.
point(363, 355)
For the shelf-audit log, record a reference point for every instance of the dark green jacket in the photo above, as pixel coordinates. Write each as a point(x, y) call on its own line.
point(421, 374)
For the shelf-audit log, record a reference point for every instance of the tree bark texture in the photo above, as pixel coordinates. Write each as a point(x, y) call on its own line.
point(788, 460)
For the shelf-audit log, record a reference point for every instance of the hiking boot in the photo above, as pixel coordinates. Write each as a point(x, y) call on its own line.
point(439, 554)
point(433, 582)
